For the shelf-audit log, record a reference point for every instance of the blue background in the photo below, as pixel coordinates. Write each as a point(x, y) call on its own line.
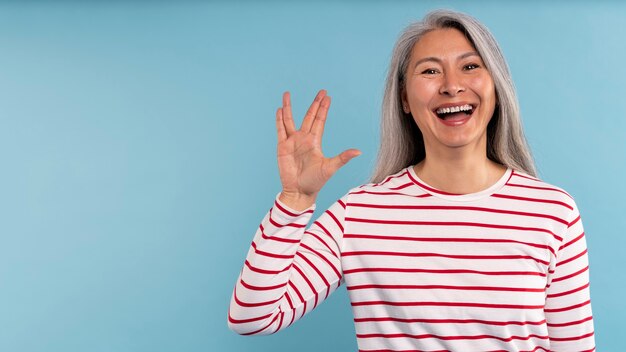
point(137, 151)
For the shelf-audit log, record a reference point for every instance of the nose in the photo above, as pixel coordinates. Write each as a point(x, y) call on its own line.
point(452, 84)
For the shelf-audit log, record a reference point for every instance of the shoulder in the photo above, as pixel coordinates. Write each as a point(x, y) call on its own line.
point(525, 185)
point(393, 189)
point(397, 183)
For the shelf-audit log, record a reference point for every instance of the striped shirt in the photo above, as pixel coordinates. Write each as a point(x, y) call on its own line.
point(504, 269)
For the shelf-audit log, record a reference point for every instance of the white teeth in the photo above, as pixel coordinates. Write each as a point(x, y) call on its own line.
point(449, 110)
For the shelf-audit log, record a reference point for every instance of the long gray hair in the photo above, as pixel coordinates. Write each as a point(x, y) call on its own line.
point(401, 142)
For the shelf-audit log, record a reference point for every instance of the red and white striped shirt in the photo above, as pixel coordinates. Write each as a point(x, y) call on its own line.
point(504, 269)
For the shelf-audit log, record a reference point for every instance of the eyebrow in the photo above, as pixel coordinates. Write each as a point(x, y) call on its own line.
point(436, 59)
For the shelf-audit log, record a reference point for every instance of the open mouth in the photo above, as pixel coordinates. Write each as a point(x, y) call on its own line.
point(455, 112)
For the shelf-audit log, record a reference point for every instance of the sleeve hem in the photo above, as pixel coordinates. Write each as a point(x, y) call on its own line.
point(288, 213)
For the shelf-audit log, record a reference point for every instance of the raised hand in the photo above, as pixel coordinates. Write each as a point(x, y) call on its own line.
point(303, 167)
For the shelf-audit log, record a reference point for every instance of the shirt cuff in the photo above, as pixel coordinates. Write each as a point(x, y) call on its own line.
point(287, 213)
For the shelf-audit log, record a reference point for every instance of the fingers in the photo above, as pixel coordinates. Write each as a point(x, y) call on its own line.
point(317, 129)
point(340, 160)
point(314, 120)
point(280, 125)
point(309, 117)
point(290, 127)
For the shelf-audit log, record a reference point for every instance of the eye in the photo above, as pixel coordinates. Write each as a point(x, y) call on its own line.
point(470, 67)
point(429, 71)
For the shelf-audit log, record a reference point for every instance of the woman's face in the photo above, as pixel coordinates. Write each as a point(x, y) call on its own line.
point(449, 92)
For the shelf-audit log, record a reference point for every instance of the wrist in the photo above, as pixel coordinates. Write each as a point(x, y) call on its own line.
point(297, 201)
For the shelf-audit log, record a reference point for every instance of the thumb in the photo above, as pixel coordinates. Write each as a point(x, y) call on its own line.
point(340, 160)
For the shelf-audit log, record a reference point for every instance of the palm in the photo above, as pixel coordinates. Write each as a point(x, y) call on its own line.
point(300, 163)
point(303, 167)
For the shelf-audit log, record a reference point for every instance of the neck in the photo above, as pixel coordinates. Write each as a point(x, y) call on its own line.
point(459, 171)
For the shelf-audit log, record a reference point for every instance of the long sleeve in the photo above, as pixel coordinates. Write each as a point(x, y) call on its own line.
point(289, 270)
point(568, 303)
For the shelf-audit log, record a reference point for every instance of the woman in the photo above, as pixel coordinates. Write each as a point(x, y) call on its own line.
point(455, 245)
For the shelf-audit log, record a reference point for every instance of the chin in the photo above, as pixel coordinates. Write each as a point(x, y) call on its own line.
point(459, 141)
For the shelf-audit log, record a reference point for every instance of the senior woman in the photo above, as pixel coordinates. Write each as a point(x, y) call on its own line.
point(455, 245)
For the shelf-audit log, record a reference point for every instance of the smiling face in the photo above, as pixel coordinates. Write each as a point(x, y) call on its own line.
point(449, 92)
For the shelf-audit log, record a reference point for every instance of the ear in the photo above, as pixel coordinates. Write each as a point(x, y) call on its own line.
point(405, 103)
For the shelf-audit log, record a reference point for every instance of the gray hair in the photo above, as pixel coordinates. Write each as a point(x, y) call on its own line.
point(401, 142)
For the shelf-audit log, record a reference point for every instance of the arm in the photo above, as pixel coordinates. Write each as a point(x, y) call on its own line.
point(288, 270)
point(568, 302)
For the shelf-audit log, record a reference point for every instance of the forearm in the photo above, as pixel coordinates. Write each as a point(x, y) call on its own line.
point(260, 295)
point(288, 270)
point(568, 302)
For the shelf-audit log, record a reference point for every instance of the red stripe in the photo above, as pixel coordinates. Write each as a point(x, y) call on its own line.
point(293, 310)
point(556, 310)
point(533, 200)
point(327, 234)
point(274, 238)
point(574, 222)
point(534, 349)
point(264, 271)
point(572, 241)
point(276, 224)
point(425, 239)
point(243, 321)
point(406, 254)
point(450, 321)
point(572, 338)
point(323, 242)
point(250, 304)
point(434, 190)
point(261, 288)
point(319, 273)
point(568, 292)
point(452, 223)
point(325, 259)
point(443, 271)
point(441, 207)
point(385, 180)
point(334, 218)
point(289, 301)
point(343, 205)
point(293, 286)
point(509, 179)
point(446, 304)
point(537, 349)
point(570, 323)
point(573, 258)
point(525, 176)
point(291, 213)
point(389, 178)
point(397, 188)
point(425, 195)
point(306, 279)
point(475, 337)
point(280, 323)
point(443, 287)
point(541, 188)
point(570, 275)
point(270, 255)
point(263, 328)
point(401, 351)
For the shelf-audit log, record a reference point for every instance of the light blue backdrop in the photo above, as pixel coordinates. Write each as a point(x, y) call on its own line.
point(137, 150)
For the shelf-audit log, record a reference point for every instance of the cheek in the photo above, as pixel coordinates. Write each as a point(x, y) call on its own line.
point(485, 88)
point(420, 93)
point(488, 99)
